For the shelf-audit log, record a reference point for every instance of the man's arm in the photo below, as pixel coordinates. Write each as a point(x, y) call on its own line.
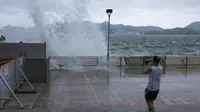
point(148, 70)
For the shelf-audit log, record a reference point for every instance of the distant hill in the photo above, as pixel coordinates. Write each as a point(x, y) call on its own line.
point(116, 29)
point(194, 25)
point(127, 29)
point(175, 31)
point(191, 29)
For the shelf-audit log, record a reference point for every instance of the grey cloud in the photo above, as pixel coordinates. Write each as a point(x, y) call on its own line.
point(96, 7)
point(147, 4)
point(62, 5)
point(191, 7)
point(66, 7)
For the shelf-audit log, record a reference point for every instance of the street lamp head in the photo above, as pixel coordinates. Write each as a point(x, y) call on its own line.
point(109, 11)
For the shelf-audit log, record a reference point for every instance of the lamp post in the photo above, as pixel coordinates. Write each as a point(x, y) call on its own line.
point(109, 12)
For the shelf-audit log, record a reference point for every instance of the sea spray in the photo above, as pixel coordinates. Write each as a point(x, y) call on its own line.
point(70, 36)
point(63, 25)
point(74, 38)
point(65, 28)
point(84, 65)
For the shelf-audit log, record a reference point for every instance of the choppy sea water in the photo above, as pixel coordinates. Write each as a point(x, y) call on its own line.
point(131, 45)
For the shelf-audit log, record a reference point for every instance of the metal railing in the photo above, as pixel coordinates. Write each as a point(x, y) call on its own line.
point(11, 78)
point(86, 60)
point(133, 61)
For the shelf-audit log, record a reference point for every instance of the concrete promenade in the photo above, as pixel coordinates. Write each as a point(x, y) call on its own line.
point(87, 92)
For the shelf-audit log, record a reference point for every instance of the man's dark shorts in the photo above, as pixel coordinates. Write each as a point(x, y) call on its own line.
point(151, 95)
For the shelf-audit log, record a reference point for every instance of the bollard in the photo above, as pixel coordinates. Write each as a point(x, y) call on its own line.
point(186, 65)
point(143, 64)
point(97, 61)
point(48, 70)
point(165, 59)
point(97, 65)
point(107, 73)
point(120, 65)
point(107, 78)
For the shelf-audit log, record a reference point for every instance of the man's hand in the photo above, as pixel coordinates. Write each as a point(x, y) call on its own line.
point(148, 70)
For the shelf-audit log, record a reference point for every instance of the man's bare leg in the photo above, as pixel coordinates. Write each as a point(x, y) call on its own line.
point(152, 109)
point(149, 106)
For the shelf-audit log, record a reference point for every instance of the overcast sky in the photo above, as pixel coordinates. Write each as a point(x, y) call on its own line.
point(162, 13)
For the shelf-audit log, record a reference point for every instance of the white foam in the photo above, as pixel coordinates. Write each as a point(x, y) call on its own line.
point(60, 24)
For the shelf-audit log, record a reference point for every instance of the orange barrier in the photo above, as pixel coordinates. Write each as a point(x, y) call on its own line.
point(5, 62)
point(12, 76)
point(9, 62)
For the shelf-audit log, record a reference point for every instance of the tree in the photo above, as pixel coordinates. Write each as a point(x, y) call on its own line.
point(2, 39)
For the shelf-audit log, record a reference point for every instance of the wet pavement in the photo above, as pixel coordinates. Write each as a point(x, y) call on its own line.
point(88, 92)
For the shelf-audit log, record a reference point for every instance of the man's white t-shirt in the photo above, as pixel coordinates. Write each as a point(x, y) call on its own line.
point(155, 78)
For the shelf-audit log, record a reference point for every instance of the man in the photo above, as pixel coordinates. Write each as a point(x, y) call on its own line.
point(153, 86)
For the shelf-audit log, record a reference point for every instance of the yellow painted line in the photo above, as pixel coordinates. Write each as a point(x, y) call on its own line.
point(93, 91)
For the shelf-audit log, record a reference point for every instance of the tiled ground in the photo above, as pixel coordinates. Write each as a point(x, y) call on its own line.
point(88, 92)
